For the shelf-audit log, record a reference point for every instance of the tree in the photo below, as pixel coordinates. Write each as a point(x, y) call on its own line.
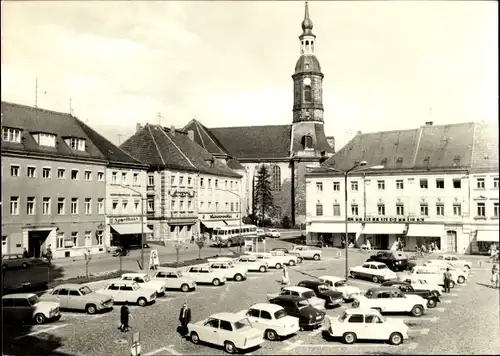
point(286, 222)
point(200, 242)
point(263, 196)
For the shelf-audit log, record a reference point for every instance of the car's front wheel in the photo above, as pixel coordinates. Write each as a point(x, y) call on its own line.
point(375, 279)
point(216, 282)
point(299, 259)
point(461, 280)
point(291, 263)
point(142, 301)
point(271, 335)
point(349, 338)
point(195, 339)
point(238, 277)
point(185, 288)
point(229, 347)
point(417, 310)
point(262, 269)
point(317, 257)
point(431, 303)
point(40, 319)
point(25, 265)
point(396, 339)
point(452, 284)
point(91, 309)
point(435, 293)
point(278, 266)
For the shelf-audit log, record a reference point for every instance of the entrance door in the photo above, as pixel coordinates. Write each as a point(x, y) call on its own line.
point(384, 241)
point(451, 236)
point(36, 242)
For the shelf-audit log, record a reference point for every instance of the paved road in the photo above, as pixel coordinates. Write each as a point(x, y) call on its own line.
point(466, 322)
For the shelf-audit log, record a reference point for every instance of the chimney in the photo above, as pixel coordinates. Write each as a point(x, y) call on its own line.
point(428, 123)
point(358, 133)
point(191, 135)
point(172, 130)
point(138, 127)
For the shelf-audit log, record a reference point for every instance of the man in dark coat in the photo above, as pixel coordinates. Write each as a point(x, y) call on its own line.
point(124, 317)
point(185, 319)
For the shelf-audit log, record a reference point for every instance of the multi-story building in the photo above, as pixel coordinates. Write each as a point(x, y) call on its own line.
point(184, 181)
point(421, 195)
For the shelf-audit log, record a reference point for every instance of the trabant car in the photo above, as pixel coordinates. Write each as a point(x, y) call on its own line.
point(273, 233)
point(455, 261)
point(306, 293)
point(229, 269)
point(289, 260)
point(129, 292)
point(272, 261)
point(459, 275)
point(232, 331)
point(375, 271)
point(307, 252)
point(391, 300)
point(331, 298)
point(408, 288)
point(421, 284)
point(252, 264)
point(395, 260)
point(287, 252)
point(174, 279)
point(431, 274)
point(78, 297)
point(299, 307)
point(28, 308)
point(17, 260)
point(367, 324)
point(272, 319)
point(205, 274)
point(340, 285)
point(145, 281)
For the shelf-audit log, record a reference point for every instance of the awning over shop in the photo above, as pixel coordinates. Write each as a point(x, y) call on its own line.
point(487, 236)
point(334, 228)
point(424, 230)
point(213, 224)
point(127, 229)
point(382, 229)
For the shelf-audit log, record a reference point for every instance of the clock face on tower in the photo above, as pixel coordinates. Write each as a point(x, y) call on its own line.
point(307, 81)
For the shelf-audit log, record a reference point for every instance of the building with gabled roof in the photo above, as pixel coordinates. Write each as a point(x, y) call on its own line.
point(436, 183)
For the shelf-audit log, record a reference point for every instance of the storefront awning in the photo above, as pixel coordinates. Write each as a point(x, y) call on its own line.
point(383, 229)
point(213, 224)
point(127, 229)
point(334, 228)
point(424, 230)
point(487, 236)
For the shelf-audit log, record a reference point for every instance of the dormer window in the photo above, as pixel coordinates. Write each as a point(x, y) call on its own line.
point(45, 139)
point(307, 142)
point(11, 135)
point(77, 144)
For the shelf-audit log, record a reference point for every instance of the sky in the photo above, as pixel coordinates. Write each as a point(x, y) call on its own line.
point(388, 65)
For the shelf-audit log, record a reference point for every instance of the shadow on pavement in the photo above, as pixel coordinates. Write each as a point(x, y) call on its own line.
point(486, 285)
point(31, 345)
point(30, 279)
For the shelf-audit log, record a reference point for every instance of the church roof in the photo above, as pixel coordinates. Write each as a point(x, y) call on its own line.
point(205, 138)
point(307, 63)
point(320, 144)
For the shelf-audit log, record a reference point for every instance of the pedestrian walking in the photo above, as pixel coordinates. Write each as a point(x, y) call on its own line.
point(48, 255)
point(494, 276)
point(447, 280)
point(25, 253)
point(185, 319)
point(124, 317)
point(285, 278)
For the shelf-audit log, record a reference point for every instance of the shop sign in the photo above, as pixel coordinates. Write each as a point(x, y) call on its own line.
point(386, 219)
point(124, 220)
point(68, 243)
point(180, 193)
point(222, 216)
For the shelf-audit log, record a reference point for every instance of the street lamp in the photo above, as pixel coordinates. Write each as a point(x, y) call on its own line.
point(346, 173)
point(239, 204)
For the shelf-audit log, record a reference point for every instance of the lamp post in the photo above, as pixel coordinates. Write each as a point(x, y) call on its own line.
point(239, 204)
point(346, 173)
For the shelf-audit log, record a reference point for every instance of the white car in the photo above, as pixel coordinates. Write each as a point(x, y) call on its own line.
point(272, 261)
point(455, 261)
point(377, 272)
point(204, 274)
point(129, 292)
point(391, 300)
point(306, 293)
point(145, 281)
point(174, 279)
point(369, 324)
point(431, 274)
point(272, 320)
point(341, 285)
point(458, 275)
point(273, 233)
point(232, 331)
point(307, 252)
point(28, 308)
point(252, 264)
point(229, 269)
point(289, 260)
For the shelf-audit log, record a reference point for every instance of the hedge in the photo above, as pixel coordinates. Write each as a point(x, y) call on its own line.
point(197, 261)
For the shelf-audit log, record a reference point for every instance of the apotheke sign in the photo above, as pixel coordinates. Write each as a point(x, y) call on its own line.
point(386, 219)
point(124, 220)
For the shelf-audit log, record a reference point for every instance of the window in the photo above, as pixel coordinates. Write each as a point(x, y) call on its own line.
point(124, 205)
point(181, 180)
point(216, 206)
point(74, 174)
point(31, 172)
point(114, 206)
point(440, 210)
point(495, 210)
point(480, 183)
point(77, 144)
point(356, 318)
point(423, 184)
point(151, 205)
point(381, 184)
point(319, 210)
point(113, 177)
point(189, 179)
point(265, 315)
point(354, 186)
point(495, 183)
point(60, 206)
point(190, 205)
point(100, 176)
point(46, 173)
point(99, 237)
point(88, 238)
point(88, 206)
point(209, 205)
point(399, 184)
point(225, 185)
point(424, 210)
point(336, 209)
point(232, 206)
point(237, 207)
point(216, 183)
point(440, 183)
point(457, 183)
point(231, 185)
point(354, 209)
point(400, 209)
point(172, 206)
point(201, 182)
point(74, 238)
point(135, 179)
point(14, 171)
point(88, 175)
point(30, 206)
point(61, 173)
point(336, 186)
point(151, 180)
point(60, 240)
point(201, 205)
point(11, 135)
point(46, 206)
point(307, 94)
point(481, 210)
point(209, 183)
point(381, 209)
point(44, 139)
point(457, 209)
point(181, 205)
point(136, 205)
point(276, 179)
point(124, 178)
point(74, 206)
point(14, 205)
point(172, 180)
point(307, 142)
point(319, 186)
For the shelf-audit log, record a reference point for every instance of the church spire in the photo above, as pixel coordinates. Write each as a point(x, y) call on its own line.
point(307, 24)
point(307, 38)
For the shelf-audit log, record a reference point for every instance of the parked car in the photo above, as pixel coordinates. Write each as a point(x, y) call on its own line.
point(261, 234)
point(230, 330)
point(395, 260)
point(299, 307)
point(145, 281)
point(421, 284)
point(272, 261)
point(391, 300)
point(407, 288)
point(229, 269)
point(431, 274)
point(78, 297)
point(455, 261)
point(174, 279)
point(331, 298)
point(287, 252)
point(272, 319)
point(204, 274)
point(129, 292)
point(341, 285)
point(367, 324)
point(11, 261)
point(252, 264)
point(307, 252)
point(28, 308)
point(459, 275)
point(273, 233)
point(376, 271)
point(296, 291)
point(289, 260)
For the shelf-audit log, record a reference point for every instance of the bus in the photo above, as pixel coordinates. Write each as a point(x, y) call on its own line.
point(232, 235)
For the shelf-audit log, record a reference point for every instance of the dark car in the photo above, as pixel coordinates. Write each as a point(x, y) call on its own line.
point(407, 288)
point(299, 307)
point(395, 260)
point(332, 298)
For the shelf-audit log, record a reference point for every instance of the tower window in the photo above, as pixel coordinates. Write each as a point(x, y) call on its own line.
point(307, 93)
point(307, 141)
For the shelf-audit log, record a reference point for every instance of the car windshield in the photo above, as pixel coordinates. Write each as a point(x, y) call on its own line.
point(147, 279)
point(343, 317)
point(85, 290)
point(280, 314)
point(340, 283)
point(322, 288)
point(369, 293)
point(33, 299)
point(242, 324)
point(382, 266)
point(303, 303)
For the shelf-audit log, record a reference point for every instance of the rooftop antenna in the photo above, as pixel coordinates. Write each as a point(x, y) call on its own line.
point(158, 115)
point(36, 92)
point(70, 107)
point(119, 139)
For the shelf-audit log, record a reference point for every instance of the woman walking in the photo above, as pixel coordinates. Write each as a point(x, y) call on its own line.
point(285, 279)
point(494, 276)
